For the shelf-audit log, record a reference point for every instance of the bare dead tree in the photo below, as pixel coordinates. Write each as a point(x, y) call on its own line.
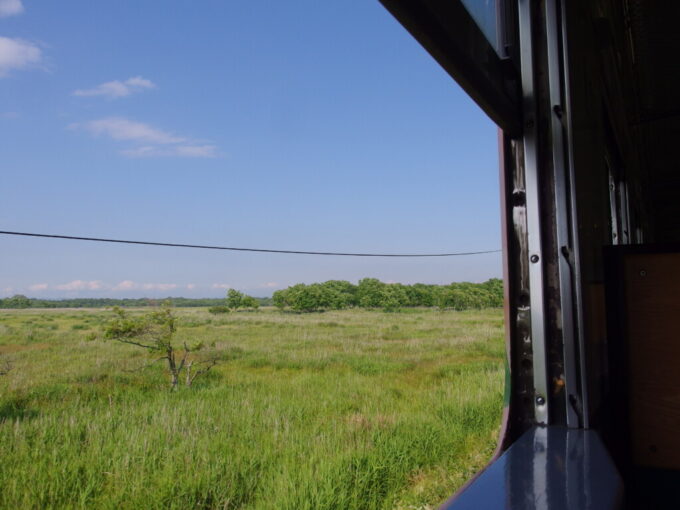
point(193, 373)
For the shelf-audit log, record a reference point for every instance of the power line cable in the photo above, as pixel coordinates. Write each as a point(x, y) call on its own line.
point(259, 250)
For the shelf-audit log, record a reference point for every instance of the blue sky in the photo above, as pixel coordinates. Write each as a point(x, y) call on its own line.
point(299, 125)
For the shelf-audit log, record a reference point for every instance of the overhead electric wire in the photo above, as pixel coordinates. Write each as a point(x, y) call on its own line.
point(259, 250)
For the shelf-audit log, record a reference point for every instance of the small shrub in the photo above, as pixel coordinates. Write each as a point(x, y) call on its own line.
point(219, 309)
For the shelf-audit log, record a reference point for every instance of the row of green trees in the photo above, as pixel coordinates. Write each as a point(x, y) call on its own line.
point(236, 301)
point(371, 293)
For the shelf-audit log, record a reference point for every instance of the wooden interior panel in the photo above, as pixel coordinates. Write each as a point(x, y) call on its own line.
point(652, 301)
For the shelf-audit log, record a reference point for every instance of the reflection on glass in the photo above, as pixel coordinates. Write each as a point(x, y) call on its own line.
point(485, 14)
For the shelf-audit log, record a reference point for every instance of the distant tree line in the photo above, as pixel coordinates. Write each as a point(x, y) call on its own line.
point(371, 293)
point(20, 301)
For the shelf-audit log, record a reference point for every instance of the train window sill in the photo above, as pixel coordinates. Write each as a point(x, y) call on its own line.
point(547, 468)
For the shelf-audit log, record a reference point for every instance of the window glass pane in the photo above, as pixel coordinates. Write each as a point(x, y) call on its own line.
point(485, 14)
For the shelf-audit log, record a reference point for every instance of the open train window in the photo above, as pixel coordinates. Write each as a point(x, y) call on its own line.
point(356, 406)
point(589, 316)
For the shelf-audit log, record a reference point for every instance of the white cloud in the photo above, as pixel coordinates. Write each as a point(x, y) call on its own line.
point(138, 81)
point(17, 54)
point(119, 128)
point(10, 8)
point(116, 88)
point(221, 286)
point(186, 151)
point(98, 285)
point(81, 285)
point(146, 151)
point(159, 286)
point(125, 285)
point(196, 151)
point(151, 142)
point(269, 285)
point(130, 285)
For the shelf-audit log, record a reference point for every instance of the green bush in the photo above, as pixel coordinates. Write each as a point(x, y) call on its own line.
point(237, 300)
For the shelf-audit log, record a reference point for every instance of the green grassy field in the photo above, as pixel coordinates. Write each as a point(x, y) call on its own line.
point(337, 410)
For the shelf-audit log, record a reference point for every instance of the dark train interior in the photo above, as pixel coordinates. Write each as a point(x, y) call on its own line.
point(586, 94)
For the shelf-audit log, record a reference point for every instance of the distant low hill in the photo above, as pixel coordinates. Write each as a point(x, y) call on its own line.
point(25, 302)
point(368, 293)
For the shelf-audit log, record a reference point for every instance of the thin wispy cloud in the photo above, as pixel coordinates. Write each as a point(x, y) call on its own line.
point(153, 142)
point(115, 89)
point(10, 8)
point(196, 151)
point(131, 285)
point(99, 285)
point(82, 285)
point(17, 54)
point(185, 151)
point(123, 129)
point(221, 286)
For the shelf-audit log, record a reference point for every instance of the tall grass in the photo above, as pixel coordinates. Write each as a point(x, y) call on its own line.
point(341, 410)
